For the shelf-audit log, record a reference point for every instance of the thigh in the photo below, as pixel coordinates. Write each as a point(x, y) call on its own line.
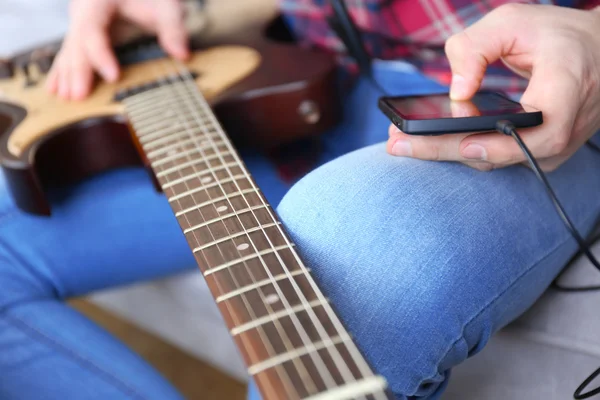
point(426, 260)
point(50, 351)
point(110, 230)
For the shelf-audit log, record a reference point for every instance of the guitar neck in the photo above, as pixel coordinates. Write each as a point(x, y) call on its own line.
point(284, 327)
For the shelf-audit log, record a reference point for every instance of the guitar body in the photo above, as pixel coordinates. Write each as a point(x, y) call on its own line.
point(264, 95)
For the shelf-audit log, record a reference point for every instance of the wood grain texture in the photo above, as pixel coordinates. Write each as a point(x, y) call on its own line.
point(218, 68)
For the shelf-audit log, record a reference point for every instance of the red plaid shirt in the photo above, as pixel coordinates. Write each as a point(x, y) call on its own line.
point(413, 30)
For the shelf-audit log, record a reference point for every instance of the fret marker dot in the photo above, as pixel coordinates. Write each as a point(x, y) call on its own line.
point(222, 208)
point(272, 298)
point(243, 246)
point(206, 179)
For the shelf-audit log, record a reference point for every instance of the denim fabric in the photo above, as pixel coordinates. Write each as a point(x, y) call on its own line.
point(423, 260)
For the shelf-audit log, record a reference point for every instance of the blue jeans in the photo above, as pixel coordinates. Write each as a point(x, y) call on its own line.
point(423, 260)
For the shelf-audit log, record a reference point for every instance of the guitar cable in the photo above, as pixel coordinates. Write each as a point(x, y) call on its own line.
point(341, 23)
point(343, 26)
point(507, 128)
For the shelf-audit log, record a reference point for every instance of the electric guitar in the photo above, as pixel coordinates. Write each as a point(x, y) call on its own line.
point(173, 117)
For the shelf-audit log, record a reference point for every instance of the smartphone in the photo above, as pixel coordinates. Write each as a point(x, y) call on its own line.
point(436, 114)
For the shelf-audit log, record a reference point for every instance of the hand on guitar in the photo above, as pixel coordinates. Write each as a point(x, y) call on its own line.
point(87, 47)
point(558, 50)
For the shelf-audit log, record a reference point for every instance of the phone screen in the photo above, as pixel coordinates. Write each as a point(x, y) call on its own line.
point(440, 106)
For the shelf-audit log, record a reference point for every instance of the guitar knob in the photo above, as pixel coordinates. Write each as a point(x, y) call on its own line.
point(6, 69)
point(309, 111)
point(43, 58)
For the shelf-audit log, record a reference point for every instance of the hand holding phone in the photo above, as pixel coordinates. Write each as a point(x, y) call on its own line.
point(437, 114)
point(565, 89)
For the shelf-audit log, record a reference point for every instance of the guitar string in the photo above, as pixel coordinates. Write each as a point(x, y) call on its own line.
point(353, 350)
point(307, 343)
point(286, 380)
point(334, 352)
point(309, 385)
point(290, 247)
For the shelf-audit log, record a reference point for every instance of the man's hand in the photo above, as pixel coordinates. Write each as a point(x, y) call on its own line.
point(558, 49)
point(87, 45)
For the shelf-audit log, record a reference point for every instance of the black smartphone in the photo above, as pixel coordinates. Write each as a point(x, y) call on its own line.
point(437, 114)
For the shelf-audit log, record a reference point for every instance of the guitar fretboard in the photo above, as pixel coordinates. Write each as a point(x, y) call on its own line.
point(285, 328)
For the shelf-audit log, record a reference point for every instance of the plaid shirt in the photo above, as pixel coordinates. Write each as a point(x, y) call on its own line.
point(412, 30)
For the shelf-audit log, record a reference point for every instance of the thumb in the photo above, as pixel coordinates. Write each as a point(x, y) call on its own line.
point(472, 50)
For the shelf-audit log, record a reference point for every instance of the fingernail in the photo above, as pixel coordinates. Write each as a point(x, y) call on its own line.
point(474, 152)
point(458, 87)
point(110, 74)
point(402, 148)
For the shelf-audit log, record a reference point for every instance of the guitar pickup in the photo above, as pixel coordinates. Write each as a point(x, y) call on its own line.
point(166, 81)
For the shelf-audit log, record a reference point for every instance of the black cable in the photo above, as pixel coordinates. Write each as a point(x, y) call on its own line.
point(342, 24)
point(593, 146)
point(507, 128)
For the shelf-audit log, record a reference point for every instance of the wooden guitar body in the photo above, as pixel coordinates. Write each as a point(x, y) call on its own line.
point(265, 94)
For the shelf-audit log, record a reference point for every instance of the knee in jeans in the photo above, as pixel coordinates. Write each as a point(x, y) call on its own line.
point(390, 261)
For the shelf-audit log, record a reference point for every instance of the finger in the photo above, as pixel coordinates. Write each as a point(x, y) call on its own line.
point(171, 30)
point(81, 76)
point(63, 81)
point(395, 134)
point(480, 165)
point(90, 34)
point(558, 102)
point(443, 147)
point(464, 108)
point(142, 13)
point(100, 54)
point(472, 50)
point(52, 77)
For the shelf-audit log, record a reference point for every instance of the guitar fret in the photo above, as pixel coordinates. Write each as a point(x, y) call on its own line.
point(143, 125)
point(154, 137)
point(150, 96)
point(180, 154)
point(165, 130)
point(176, 139)
point(167, 103)
point(233, 214)
point(215, 200)
point(150, 100)
point(274, 316)
point(263, 290)
point(149, 117)
point(259, 284)
point(296, 353)
point(247, 231)
point(195, 175)
point(201, 188)
point(372, 385)
point(161, 135)
point(157, 116)
point(246, 258)
point(197, 141)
